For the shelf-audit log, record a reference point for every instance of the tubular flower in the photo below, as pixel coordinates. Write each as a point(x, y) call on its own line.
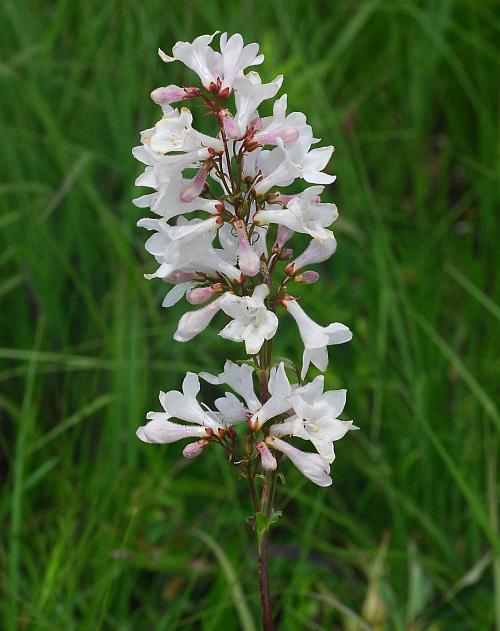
point(316, 338)
point(252, 322)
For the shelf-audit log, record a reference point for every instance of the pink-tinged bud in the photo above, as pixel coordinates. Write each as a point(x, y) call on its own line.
point(248, 260)
point(284, 235)
point(290, 269)
point(224, 93)
point(199, 295)
point(194, 449)
point(168, 94)
point(307, 278)
point(219, 206)
point(190, 192)
point(230, 127)
point(285, 254)
point(267, 459)
point(221, 431)
point(195, 322)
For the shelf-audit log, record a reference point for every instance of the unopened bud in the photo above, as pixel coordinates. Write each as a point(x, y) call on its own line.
point(267, 459)
point(220, 432)
point(194, 449)
point(224, 93)
point(168, 94)
point(307, 278)
point(199, 295)
point(253, 425)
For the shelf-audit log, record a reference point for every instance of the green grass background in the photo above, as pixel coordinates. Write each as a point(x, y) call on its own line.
point(99, 531)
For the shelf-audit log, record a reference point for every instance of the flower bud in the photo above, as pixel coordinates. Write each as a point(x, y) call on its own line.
point(248, 260)
point(307, 278)
point(195, 187)
point(194, 449)
point(168, 94)
point(199, 295)
point(267, 459)
point(224, 92)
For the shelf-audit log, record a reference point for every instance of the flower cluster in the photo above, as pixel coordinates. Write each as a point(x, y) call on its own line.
point(220, 238)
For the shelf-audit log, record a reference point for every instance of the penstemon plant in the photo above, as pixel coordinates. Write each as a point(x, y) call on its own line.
point(235, 258)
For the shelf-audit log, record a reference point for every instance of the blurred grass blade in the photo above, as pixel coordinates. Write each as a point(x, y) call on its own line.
point(239, 601)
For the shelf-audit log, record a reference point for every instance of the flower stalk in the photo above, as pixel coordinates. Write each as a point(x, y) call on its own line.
point(233, 257)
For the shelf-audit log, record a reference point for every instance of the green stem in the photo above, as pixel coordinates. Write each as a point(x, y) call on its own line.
point(266, 507)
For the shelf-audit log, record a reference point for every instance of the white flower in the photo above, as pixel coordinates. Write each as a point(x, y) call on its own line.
point(313, 466)
point(252, 322)
point(280, 389)
point(303, 213)
point(238, 378)
point(236, 57)
point(187, 247)
point(184, 406)
point(210, 65)
point(231, 408)
point(174, 132)
point(249, 93)
point(194, 322)
point(162, 431)
point(198, 56)
point(315, 417)
point(316, 338)
point(285, 163)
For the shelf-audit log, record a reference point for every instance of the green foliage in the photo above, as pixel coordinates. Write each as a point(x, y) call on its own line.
point(95, 526)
